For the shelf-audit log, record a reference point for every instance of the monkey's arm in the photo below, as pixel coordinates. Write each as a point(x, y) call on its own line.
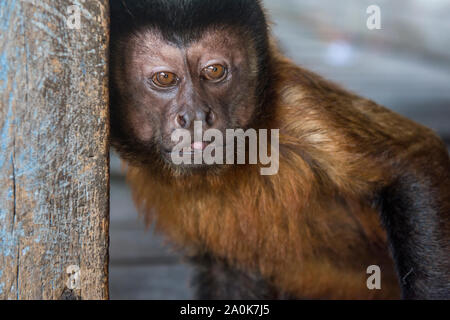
point(367, 150)
point(415, 202)
point(415, 210)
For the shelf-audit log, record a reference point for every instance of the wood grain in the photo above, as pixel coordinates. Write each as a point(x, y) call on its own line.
point(54, 176)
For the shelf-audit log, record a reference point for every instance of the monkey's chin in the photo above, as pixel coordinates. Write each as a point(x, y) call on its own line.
point(191, 167)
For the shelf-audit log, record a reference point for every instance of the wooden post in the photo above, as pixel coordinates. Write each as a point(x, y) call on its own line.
point(54, 176)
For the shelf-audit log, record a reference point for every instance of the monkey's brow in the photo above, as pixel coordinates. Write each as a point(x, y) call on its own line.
point(141, 43)
point(143, 46)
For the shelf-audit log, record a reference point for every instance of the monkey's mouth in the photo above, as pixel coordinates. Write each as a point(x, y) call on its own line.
point(193, 155)
point(193, 148)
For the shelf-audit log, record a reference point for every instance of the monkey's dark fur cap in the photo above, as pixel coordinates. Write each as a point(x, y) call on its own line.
point(184, 20)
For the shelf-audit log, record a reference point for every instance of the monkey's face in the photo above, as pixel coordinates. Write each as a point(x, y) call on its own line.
point(162, 87)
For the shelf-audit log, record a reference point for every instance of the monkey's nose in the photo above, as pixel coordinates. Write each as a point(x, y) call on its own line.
point(184, 120)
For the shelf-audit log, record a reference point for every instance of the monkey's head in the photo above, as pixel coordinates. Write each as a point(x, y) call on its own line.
point(175, 62)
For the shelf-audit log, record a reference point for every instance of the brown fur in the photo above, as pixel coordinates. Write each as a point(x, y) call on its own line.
point(310, 228)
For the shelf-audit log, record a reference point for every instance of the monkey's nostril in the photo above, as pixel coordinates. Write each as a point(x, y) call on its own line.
point(182, 120)
point(210, 118)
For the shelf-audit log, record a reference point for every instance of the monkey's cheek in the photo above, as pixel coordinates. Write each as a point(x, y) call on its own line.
point(143, 132)
point(242, 115)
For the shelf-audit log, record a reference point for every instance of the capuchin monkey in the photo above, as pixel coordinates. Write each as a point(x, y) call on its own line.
point(357, 185)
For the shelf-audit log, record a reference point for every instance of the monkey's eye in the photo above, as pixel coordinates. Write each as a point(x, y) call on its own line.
point(215, 72)
point(165, 79)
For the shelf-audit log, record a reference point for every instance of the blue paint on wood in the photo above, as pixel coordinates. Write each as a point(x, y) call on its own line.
point(5, 138)
point(4, 69)
point(2, 284)
point(25, 250)
point(38, 238)
point(9, 239)
point(6, 10)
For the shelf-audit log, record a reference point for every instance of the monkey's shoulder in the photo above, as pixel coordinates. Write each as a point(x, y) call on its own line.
point(317, 110)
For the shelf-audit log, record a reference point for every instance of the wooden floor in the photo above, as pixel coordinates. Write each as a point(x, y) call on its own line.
point(395, 73)
point(141, 265)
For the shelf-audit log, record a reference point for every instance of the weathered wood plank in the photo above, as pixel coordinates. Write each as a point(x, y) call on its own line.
point(54, 174)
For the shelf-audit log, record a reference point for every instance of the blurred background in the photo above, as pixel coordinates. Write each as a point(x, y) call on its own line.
point(404, 66)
